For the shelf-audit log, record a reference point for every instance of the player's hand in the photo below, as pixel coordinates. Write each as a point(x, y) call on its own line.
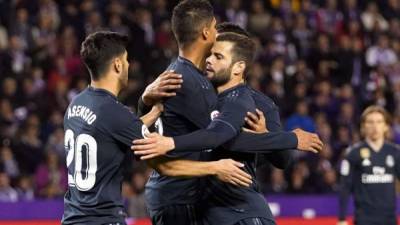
point(342, 223)
point(165, 85)
point(256, 122)
point(229, 171)
point(152, 146)
point(308, 141)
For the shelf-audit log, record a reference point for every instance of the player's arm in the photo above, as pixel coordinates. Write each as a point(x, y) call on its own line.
point(226, 170)
point(223, 128)
point(122, 124)
point(346, 183)
point(164, 86)
point(153, 115)
point(257, 123)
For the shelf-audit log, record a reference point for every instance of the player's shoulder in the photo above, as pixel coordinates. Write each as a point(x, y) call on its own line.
point(354, 149)
point(263, 99)
point(239, 93)
point(185, 68)
point(392, 147)
point(115, 109)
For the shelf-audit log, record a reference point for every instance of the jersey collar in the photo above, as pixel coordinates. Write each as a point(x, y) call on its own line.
point(189, 63)
point(101, 91)
point(231, 89)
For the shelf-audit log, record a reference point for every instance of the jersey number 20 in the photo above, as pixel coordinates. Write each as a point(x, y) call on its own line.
point(83, 151)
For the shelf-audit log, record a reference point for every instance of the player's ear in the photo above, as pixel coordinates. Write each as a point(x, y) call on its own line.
point(387, 129)
point(239, 67)
point(205, 33)
point(117, 65)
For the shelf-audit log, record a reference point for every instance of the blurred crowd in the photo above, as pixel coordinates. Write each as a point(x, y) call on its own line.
point(322, 62)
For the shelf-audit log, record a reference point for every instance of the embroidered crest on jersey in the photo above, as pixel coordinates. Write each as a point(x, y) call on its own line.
point(390, 161)
point(214, 114)
point(365, 153)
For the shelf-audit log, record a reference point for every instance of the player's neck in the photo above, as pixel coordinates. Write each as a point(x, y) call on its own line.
point(376, 145)
point(107, 85)
point(230, 84)
point(195, 54)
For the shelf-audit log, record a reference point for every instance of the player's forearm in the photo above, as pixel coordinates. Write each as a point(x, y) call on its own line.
point(209, 138)
point(151, 117)
point(183, 168)
point(143, 108)
point(263, 143)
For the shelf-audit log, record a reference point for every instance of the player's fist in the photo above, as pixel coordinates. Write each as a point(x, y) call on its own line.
point(165, 85)
point(307, 141)
point(342, 223)
point(229, 171)
point(152, 146)
point(255, 122)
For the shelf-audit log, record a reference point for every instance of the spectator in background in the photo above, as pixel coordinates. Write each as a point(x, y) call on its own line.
point(351, 12)
point(301, 118)
point(136, 203)
point(277, 183)
point(392, 10)
point(299, 179)
point(329, 18)
point(371, 18)
point(235, 14)
point(381, 54)
point(8, 162)
point(25, 188)
point(51, 177)
point(302, 36)
point(55, 143)
point(28, 146)
point(259, 19)
point(7, 193)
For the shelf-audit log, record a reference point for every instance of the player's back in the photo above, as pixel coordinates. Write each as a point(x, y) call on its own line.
point(98, 132)
point(188, 111)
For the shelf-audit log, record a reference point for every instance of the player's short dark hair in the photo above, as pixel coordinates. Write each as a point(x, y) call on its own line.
point(231, 27)
point(243, 48)
point(188, 19)
point(99, 48)
point(376, 109)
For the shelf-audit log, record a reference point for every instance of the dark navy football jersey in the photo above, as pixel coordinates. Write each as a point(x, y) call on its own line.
point(279, 159)
point(370, 176)
point(98, 134)
point(225, 203)
point(186, 112)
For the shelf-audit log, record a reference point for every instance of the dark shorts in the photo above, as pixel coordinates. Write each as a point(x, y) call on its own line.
point(176, 215)
point(376, 221)
point(255, 221)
